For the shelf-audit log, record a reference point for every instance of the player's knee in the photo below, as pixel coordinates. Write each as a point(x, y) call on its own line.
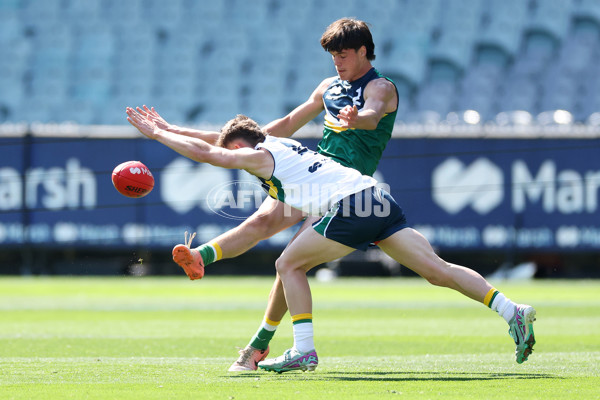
point(283, 266)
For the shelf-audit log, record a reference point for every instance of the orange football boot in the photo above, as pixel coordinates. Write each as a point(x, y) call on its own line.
point(189, 259)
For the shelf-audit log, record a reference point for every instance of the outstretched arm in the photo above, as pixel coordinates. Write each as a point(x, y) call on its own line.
point(150, 113)
point(301, 115)
point(257, 162)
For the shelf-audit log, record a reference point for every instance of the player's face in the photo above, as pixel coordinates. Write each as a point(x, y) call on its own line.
point(348, 63)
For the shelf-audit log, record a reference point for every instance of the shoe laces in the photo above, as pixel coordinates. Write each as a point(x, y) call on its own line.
point(289, 354)
point(245, 354)
point(188, 243)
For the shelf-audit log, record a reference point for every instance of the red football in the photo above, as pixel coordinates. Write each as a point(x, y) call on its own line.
point(133, 179)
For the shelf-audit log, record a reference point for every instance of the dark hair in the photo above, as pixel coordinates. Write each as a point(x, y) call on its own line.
point(348, 33)
point(241, 127)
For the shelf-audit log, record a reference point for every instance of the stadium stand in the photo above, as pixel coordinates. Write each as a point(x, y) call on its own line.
point(203, 61)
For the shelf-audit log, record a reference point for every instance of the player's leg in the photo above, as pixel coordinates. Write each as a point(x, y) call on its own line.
point(277, 307)
point(272, 217)
point(413, 250)
point(258, 347)
point(307, 251)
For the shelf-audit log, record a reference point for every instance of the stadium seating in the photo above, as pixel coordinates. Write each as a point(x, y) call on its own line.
point(202, 61)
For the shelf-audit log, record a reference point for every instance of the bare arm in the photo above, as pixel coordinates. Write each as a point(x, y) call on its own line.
point(301, 115)
point(257, 162)
point(150, 113)
point(380, 98)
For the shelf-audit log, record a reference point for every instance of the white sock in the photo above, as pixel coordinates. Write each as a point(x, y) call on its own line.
point(268, 326)
point(503, 306)
point(304, 337)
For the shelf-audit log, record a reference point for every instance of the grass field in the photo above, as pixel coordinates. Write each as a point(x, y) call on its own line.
point(170, 338)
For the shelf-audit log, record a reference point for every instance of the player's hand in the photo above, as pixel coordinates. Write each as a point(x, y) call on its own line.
point(144, 124)
point(153, 115)
point(348, 116)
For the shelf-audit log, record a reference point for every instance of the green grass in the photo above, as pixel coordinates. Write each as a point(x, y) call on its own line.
point(170, 338)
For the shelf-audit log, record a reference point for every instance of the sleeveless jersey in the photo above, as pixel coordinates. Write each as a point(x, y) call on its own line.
point(307, 180)
point(360, 149)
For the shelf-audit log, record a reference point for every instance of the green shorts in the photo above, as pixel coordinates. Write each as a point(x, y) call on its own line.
point(362, 218)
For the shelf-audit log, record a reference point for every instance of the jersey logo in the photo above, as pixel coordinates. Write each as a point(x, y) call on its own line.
point(337, 89)
point(335, 92)
point(314, 167)
point(356, 99)
point(300, 149)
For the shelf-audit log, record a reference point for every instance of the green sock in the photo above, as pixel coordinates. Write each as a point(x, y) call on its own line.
point(210, 252)
point(265, 333)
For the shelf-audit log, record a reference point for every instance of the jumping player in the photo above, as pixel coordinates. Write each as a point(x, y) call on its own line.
point(353, 213)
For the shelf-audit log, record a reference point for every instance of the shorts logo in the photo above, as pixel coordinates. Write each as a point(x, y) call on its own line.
point(456, 186)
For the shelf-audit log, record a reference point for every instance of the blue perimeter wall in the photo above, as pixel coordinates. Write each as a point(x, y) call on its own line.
point(463, 194)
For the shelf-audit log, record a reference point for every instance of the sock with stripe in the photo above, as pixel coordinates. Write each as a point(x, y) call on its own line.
point(210, 252)
point(303, 332)
point(500, 303)
point(264, 334)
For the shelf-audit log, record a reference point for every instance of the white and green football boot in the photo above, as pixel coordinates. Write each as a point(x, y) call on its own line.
point(291, 360)
point(521, 330)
